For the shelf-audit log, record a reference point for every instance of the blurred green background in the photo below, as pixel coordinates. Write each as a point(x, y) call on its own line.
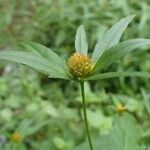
point(40, 113)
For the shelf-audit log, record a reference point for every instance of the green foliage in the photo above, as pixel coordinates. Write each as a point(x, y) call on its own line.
point(110, 38)
point(35, 61)
point(24, 102)
point(118, 51)
point(118, 74)
point(56, 67)
point(44, 52)
point(81, 44)
point(47, 112)
point(58, 124)
point(124, 135)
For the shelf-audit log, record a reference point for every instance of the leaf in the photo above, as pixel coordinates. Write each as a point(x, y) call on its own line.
point(36, 62)
point(111, 37)
point(146, 100)
point(118, 74)
point(118, 51)
point(124, 136)
point(81, 45)
point(44, 52)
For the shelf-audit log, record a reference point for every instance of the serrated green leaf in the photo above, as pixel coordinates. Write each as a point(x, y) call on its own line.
point(45, 52)
point(81, 45)
point(118, 74)
point(111, 37)
point(118, 51)
point(36, 62)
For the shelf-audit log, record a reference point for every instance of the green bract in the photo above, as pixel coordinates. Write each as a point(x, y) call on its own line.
point(108, 50)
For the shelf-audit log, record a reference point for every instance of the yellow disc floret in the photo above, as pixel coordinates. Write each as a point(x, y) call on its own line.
point(79, 65)
point(120, 108)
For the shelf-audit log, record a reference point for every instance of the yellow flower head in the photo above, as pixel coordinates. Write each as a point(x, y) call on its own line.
point(16, 137)
point(79, 65)
point(120, 108)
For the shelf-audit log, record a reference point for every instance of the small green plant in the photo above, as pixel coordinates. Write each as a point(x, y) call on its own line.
point(80, 67)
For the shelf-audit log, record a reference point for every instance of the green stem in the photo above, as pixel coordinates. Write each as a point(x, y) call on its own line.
point(85, 116)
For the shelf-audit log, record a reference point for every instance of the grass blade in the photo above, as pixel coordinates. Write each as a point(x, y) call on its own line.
point(146, 100)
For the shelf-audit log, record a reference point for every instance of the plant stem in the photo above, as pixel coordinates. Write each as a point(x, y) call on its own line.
point(85, 116)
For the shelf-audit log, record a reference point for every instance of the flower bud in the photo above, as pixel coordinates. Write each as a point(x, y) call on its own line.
point(79, 65)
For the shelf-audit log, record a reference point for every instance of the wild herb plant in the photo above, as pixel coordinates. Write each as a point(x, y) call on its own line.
point(80, 67)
